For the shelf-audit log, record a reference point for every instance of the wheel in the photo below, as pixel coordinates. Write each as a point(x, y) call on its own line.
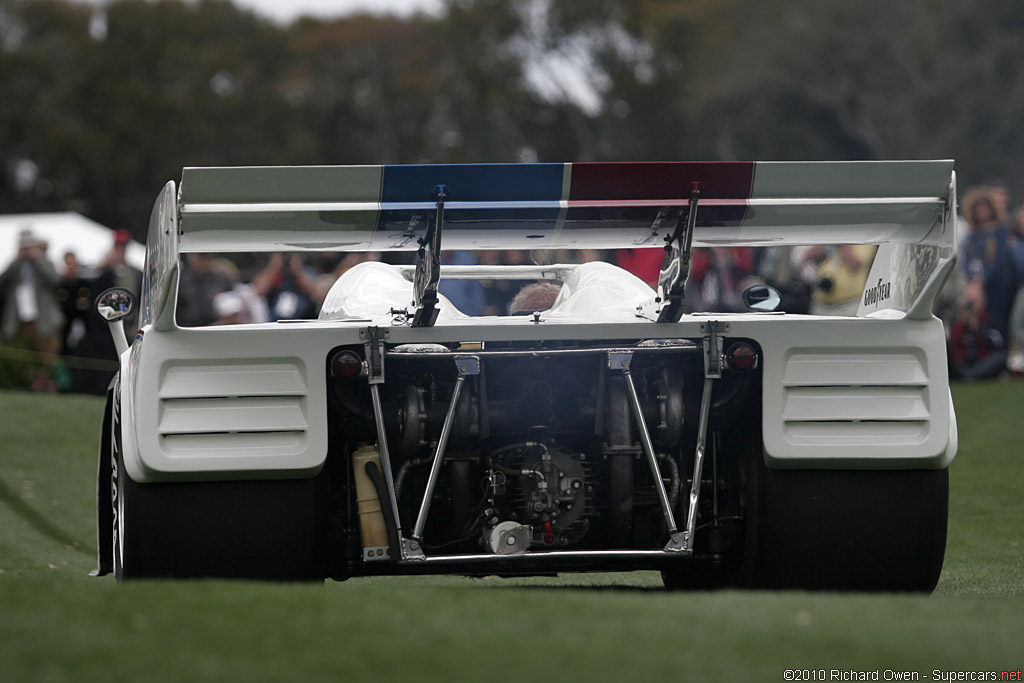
point(104, 500)
point(866, 530)
point(273, 529)
point(877, 530)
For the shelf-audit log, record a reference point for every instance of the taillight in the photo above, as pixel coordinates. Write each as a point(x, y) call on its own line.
point(346, 365)
point(741, 357)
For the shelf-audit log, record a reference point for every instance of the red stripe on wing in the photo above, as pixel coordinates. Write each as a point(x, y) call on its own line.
point(660, 180)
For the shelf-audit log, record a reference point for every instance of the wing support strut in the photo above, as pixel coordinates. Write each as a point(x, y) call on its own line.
point(428, 267)
point(675, 269)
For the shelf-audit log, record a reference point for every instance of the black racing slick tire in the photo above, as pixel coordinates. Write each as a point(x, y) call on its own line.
point(268, 530)
point(850, 530)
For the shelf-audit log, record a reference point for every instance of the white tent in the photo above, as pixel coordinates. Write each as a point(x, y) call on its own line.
point(65, 232)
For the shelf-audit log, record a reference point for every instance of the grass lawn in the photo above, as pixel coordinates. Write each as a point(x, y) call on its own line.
point(58, 624)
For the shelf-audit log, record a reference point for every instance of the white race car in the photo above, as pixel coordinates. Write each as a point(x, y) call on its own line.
point(608, 430)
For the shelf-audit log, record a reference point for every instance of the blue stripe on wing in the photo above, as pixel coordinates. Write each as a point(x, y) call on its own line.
point(525, 201)
point(473, 182)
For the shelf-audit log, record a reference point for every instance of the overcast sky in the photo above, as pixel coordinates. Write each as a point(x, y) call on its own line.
point(287, 10)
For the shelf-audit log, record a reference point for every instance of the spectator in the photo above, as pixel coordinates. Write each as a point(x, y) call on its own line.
point(75, 296)
point(229, 308)
point(115, 266)
point(287, 287)
point(644, 263)
point(32, 316)
point(71, 265)
point(199, 282)
point(539, 296)
point(87, 345)
point(1017, 244)
point(987, 258)
point(353, 258)
point(240, 305)
point(948, 301)
point(1015, 361)
point(716, 276)
point(499, 293)
point(322, 287)
point(977, 350)
point(114, 271)
point(465, 295)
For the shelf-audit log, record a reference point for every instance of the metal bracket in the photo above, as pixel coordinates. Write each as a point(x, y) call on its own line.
point(675, 269)
point(428, 267)
point(713, 347)
point(374, 347)
point(373, 333)
point(411, 550)
point(466, 366)
point(679, 543)
point(376, 554)
point(619, 360)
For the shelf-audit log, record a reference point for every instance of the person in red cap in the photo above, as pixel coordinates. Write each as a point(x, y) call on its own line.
point(114, 271)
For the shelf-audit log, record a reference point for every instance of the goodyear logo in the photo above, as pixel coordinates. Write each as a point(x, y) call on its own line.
point(880, 292)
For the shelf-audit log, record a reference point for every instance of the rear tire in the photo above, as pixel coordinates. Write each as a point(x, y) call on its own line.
point(853, 530)
point(270, 530)
point(860, 530)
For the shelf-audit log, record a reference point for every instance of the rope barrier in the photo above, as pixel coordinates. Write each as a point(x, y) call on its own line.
point(74, 362)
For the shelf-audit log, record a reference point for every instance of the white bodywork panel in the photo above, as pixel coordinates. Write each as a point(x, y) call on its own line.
point(226, 401)
point(855, 393)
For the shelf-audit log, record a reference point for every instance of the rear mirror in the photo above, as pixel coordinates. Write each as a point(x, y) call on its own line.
point(115, 304)
point(762, 298)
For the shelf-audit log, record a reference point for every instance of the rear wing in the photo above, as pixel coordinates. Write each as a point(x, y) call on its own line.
point(563, 206)
point(549, 206)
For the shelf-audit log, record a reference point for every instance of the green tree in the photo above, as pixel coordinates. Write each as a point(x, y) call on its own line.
point(103, 103)
point(109, 104)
